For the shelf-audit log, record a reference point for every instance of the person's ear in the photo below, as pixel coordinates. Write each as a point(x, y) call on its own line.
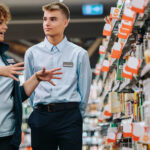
point(66, 22)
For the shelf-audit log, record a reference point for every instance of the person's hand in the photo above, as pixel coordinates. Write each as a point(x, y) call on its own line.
point(47, 75)
point(12, 70)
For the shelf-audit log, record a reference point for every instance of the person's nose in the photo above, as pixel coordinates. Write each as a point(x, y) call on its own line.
point(5, 27)
point(47, 23)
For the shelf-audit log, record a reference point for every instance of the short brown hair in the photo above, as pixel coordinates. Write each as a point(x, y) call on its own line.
point(4, 12)
point(57, 6)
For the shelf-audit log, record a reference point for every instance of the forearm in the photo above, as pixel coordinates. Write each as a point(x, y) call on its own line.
point(1, 71)
point(30, 85)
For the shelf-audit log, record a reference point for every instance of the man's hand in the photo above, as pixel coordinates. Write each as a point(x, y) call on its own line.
point(47, 75)
point(12, 70)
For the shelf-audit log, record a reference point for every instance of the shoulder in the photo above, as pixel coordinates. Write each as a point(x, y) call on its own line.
point(76, 48)
point(33, 48)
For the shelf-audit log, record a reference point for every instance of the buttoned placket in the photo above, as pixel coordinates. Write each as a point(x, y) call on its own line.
point(54, 50)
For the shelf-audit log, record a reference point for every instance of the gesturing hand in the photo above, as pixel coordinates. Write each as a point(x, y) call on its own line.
point(47, 75)
point(10, 71)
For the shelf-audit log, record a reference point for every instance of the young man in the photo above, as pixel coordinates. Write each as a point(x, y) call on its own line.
point(57, 119)
point(11, 94)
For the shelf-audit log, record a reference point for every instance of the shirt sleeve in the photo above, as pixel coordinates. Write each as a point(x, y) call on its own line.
point(84, 81)
point(29, 71)
point(23, 94)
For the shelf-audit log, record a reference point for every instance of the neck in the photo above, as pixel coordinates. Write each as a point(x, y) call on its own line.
point(55, 39)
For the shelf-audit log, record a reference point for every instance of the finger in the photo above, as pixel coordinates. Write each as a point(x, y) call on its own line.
point(56, 69)
point(55, 73)
point(17, 73)
point(43, 71)
point(19, 64)
point(18, 68)
point(56, 77)
point(13, 77)
point(52, 83)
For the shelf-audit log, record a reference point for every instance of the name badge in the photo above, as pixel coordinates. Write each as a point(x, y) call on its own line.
point(67, 64)
point(11, 61)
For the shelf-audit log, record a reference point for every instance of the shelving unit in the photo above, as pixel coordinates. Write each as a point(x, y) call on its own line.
point(117, 103)
point(124, 104)
point(26, 132)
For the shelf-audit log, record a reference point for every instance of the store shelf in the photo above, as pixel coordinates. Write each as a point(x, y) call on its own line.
point(124, 84)
point(104, 95)
point(92, 114)
point(145, 73)
point(92, 129)
point(116, 86)
point(125, 96)
point(93, 101)
point(104, 124)
point(113, 36)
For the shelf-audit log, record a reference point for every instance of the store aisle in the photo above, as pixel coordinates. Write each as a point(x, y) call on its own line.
point(118, 111)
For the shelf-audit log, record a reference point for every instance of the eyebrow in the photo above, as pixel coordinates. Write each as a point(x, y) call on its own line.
point(50, 17)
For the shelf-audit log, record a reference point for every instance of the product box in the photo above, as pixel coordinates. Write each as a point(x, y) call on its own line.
point(114, 102)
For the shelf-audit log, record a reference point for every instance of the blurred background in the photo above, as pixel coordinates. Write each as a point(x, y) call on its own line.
point(119, 101)
point(85, 28)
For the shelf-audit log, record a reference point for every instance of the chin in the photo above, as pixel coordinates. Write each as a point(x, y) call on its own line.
point(51, 35)
point(1, 40)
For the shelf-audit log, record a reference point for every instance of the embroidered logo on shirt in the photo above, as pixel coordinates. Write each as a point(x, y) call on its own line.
point(67, 64)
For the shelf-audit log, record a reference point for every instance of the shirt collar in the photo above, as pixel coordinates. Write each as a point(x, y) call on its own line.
point(3, 47)
point(58, 46)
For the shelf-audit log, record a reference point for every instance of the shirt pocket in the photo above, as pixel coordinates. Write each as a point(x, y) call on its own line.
point(38, 68)
point(69, 74)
